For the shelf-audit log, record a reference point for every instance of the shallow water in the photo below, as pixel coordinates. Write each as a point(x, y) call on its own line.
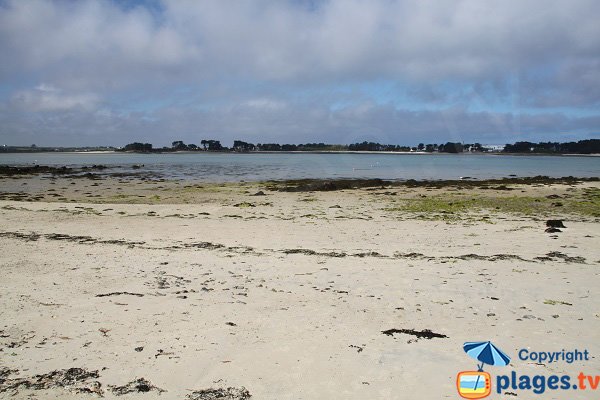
point(228, 167)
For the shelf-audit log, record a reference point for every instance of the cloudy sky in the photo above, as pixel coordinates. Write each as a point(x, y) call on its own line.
point(108, 72)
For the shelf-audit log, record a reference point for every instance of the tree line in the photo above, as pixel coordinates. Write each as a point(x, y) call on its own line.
point(589, 146)
point(581, 147)
point(243, 147)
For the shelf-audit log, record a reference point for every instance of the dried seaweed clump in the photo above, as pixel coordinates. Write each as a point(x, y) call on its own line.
point(138, 385)
point(220, 394)
point(74, 379)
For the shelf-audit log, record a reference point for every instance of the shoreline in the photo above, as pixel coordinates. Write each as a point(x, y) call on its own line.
point(493, 153)
point(438, 199)
point(101, 171)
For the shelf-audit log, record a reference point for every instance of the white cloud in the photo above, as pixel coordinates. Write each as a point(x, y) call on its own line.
point(48, 98)
point(275, 40)
point(280, 68)
point(264, 103)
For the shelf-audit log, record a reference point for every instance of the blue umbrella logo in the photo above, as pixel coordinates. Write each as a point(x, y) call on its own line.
point(487, 353)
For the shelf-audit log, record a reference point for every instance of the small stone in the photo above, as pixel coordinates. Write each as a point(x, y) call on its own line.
point(555, 223)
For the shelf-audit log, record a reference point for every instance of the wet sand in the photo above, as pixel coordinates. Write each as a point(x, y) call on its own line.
point(159, 289)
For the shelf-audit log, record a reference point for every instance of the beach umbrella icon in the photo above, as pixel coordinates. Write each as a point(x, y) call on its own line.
point(487, 353)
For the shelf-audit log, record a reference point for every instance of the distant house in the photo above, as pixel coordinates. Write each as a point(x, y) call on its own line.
point(494, 147)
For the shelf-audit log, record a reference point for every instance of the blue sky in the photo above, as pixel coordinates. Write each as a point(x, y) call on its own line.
point(102, 72)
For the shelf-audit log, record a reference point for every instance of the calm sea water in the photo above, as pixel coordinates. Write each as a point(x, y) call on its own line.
point(273, 166)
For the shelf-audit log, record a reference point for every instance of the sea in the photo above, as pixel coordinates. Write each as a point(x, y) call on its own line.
point(235, 167)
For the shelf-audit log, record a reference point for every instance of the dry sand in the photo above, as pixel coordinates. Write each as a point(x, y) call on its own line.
point(285, 295)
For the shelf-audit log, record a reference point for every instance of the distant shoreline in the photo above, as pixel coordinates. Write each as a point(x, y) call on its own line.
point(412, 153)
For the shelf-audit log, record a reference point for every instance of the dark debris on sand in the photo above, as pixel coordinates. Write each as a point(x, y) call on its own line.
point(424, 334)
point(555, 223)
point(309, 252)
point(318, 185)
point(220, 394)
point(29, 237)
point(119, 294)
point(553, 255)
point(78, 380)
point(323, 185)
point(32, 237)
point(5, 372)
point(138, 385)
point(85, 171)
point(6, 170)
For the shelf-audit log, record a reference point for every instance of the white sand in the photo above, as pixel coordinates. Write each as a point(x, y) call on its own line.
point(307, 326)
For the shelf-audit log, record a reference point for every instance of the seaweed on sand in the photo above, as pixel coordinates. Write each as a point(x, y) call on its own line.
point(321, 185)
point(138, 385)
point(74, 379)
point(425, 333)
point(316, 185)
point(220, 394)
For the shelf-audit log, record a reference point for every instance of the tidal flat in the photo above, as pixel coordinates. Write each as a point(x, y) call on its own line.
point(154, 288)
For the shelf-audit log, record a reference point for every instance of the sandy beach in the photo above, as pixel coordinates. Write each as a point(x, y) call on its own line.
point(161, 289)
